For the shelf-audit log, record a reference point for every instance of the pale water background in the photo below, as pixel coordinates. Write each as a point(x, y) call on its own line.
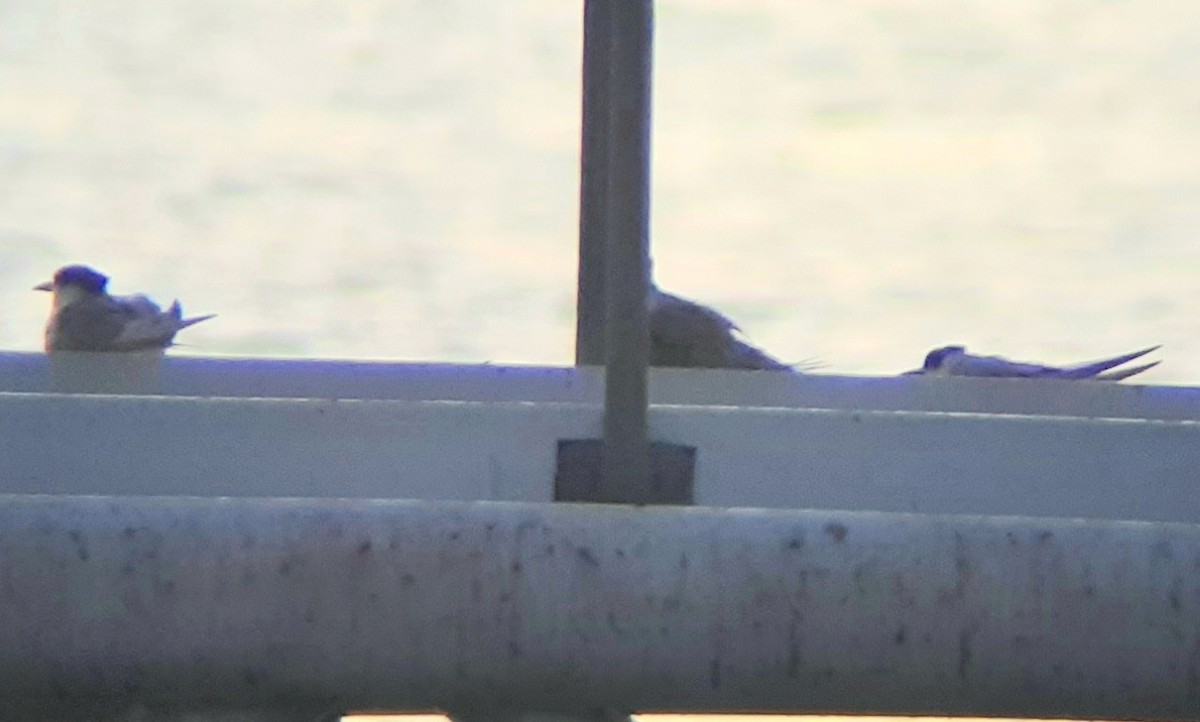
point(855, 181)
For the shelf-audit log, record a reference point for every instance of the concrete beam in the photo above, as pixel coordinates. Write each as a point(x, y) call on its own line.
point(756, 457)
point(326, 379)
point(178, 603)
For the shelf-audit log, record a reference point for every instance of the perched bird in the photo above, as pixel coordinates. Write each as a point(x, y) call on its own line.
point(685, 334)
point(955, 361)
point(85, 318)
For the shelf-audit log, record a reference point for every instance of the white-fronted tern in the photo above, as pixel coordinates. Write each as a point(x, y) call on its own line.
point(84, 317)
point(955, 361)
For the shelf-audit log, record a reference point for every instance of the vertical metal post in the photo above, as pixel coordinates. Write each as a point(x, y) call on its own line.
point(593, 185)
point(626, 457)
point(614, 268)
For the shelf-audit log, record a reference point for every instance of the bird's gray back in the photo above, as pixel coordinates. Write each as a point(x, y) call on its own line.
point(686, 334)
point(102, 323)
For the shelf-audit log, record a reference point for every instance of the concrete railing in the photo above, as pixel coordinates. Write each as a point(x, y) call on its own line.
point(751, 457)
point(279, 378)
point(120, 602)
point(208, 603)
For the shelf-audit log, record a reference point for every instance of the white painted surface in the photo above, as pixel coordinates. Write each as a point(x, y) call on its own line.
point(324, 379)
point(271, 447)
point(749, 457)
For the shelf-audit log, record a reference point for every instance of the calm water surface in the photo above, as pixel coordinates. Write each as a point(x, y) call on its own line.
point(856, 182)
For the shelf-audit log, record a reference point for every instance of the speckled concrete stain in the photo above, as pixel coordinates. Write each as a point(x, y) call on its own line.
point(420, 605)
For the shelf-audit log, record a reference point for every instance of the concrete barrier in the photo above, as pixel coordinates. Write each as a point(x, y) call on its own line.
point(177, 603)
point(280, 378)
point(746, 457)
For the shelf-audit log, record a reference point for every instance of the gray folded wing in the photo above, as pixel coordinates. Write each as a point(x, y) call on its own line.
point(685, 334)
point(997, 366)
point(115, 323)
point(1095, 368)
point(1121, 374)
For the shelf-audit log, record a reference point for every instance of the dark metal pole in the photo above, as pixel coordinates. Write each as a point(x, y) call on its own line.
point(626, 457)
point(593, 186)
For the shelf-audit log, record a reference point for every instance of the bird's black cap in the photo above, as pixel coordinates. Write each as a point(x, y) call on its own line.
point(84, 277)
point(934, 359)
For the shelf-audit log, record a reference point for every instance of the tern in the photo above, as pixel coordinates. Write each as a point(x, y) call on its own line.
point(84, 317)
point(686, 334)
point(955, 361)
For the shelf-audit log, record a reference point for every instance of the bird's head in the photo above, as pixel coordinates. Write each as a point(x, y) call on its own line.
point(936, 359)
point(71, 283)
point(84, 278)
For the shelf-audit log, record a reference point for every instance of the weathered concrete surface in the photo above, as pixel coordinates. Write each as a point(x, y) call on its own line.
point(175, 375)
point(749, 457)
point(359, 604)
